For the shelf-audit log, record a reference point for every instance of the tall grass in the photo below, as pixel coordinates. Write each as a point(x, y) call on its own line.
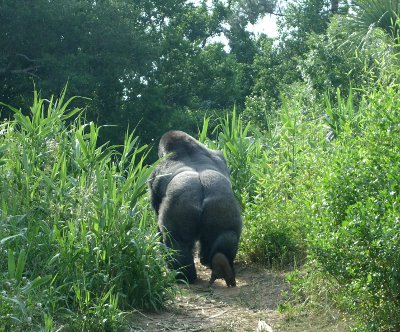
point(241, 148)
point(322, 189)
point(78, 245)
point(268, 169)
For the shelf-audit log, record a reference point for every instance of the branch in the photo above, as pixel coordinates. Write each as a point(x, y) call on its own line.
point(26, 57)
point(27, 71)
point(277, 14)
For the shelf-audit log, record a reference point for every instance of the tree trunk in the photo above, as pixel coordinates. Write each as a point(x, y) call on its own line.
point(334, 6)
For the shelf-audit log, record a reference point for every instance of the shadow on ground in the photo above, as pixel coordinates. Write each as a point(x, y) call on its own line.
point(200, 307)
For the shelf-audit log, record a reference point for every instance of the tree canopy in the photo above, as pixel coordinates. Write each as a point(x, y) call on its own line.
point(161, 64)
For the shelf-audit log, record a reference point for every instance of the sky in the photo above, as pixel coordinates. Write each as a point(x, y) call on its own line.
point(266, 25)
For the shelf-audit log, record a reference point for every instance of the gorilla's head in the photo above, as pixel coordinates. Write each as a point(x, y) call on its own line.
point(180, 144)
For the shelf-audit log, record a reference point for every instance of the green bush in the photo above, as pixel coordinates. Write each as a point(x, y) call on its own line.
point(272, 234)
point(78, 244)
point(355, 228)
point(272, 172)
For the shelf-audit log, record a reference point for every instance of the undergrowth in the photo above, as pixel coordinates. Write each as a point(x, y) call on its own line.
point(78, 243)
point(319, 187)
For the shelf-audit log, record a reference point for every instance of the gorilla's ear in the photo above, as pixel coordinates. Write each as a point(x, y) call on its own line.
point(222, 269)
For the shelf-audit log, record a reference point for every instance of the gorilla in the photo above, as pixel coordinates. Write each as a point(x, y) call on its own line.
point(190, 191)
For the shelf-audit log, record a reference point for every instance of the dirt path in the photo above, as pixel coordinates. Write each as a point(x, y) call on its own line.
point(256, 297)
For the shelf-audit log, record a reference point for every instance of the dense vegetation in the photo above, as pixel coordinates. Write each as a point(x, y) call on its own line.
point(309, 123)
point(78, 242)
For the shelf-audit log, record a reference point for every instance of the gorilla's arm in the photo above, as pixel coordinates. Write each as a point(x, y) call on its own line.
point(155, 196)
point(162, 175)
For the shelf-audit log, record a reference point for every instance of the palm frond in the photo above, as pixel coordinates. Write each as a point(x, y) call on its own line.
point(369, 15)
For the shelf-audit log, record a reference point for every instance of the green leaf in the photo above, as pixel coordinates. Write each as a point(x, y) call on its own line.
point(37, 282)
point(5, 239)
point(11, 264)
point(20, 264)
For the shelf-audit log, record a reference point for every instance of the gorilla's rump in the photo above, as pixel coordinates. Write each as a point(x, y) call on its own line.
point(219, 203)
point(198, 202)
point(181, 209)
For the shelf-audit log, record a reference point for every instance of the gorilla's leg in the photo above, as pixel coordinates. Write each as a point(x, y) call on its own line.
point(182, 261)
point(179, 220)
point(220, 232)
point(223, 253)
point(206, 241)
point(219, 255)
point(222, 268)
point(227, 244)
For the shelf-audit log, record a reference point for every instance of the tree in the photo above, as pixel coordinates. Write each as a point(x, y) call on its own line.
point(89, 44)
point(139, 61)
point(369, 17)
point(291, 59)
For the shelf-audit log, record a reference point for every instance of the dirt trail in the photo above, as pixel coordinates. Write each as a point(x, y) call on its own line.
point(200, 307)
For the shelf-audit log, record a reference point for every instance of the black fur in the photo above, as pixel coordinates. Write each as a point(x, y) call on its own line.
point(191, 193)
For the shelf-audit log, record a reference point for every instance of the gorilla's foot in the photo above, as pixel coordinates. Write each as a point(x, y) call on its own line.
point(221, 269)
point(187, 274)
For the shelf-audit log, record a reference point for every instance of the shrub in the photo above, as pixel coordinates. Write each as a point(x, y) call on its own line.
point(272, 233)
point(272, 172)
point(355, 230)
point(78, 245)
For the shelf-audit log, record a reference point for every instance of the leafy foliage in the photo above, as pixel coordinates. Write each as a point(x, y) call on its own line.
point(354, 228)
point(371, 15)
point(311, 144)
point(137, 61)
point(77, 241)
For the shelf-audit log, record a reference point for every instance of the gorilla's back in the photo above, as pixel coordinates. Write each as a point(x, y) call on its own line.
point(207, 193)
point(191, 193)
point(214, 184)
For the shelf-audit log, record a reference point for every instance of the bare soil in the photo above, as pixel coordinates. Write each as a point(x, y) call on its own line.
point(259, 291)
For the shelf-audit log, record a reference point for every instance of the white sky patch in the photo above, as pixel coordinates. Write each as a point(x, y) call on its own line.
point(221, 38)
point(266, 25)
